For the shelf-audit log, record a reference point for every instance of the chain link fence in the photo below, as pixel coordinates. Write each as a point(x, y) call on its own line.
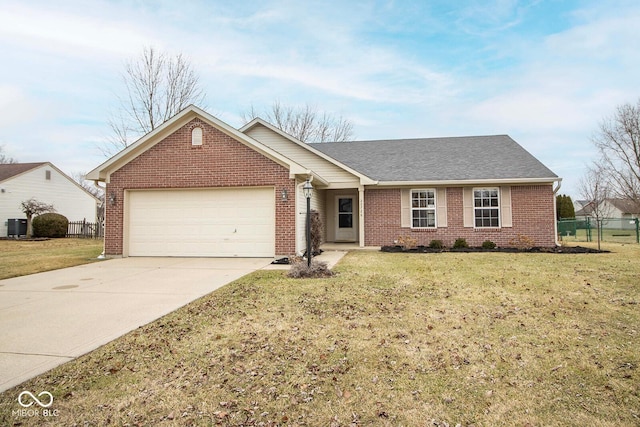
point(619, 230)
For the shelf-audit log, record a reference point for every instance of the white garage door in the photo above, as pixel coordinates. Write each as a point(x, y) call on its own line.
point(202, 223)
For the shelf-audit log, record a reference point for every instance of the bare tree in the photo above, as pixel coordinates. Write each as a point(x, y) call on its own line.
point(92, 188)
point(618, 143)
point(594, 189)
point(305, 123)
point(33, 207)
point(4, 159)
point(157, 87)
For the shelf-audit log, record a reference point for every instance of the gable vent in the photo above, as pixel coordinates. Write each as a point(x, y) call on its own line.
point(196, 136)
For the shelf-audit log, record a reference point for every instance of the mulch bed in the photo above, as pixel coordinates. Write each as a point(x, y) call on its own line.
point(556, 250)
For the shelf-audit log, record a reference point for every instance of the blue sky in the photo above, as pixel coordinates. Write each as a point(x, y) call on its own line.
point(544, 72)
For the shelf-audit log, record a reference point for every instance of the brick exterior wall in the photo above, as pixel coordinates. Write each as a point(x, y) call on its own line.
point(220, 161)
point(532, 212)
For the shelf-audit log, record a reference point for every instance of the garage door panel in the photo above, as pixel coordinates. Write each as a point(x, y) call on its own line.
point(220, 222)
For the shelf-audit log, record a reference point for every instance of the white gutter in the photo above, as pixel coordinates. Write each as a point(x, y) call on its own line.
point(470, 182)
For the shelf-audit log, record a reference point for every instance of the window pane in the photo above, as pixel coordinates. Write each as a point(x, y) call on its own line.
point(345, 220)
point(486, 203)
point(345, 205)
point(423, 203)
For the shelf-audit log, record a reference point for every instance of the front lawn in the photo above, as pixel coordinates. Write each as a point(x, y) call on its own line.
point(478, 339)
point(22, 257)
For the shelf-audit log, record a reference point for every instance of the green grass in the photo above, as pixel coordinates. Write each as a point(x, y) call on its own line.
point(22, 257)
point(478, 339)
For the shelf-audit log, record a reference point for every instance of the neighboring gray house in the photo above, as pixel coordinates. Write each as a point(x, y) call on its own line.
point(46, 183)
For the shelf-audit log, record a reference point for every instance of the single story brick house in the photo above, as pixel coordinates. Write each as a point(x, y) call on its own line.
point(196, 186)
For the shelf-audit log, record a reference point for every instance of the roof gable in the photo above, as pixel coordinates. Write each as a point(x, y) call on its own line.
point(102, 172)
point(474, 158)
point(15, 170)
point(10, 170)
point(328, 168)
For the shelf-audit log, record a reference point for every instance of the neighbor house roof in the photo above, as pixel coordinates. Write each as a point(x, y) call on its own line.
point(471, 158)
point(627, 206)
point(12, 170)
point(9, 170)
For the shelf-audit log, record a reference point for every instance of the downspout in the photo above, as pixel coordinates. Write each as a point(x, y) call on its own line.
point(361, 230)
point(104, 220)
point(555, 209)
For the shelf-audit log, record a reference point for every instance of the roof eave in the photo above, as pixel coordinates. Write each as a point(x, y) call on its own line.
point(102, 172)
point(468, 182)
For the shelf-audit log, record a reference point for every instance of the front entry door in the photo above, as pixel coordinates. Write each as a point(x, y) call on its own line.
point(346, 221)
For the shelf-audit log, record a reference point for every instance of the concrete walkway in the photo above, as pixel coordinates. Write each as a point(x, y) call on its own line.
point(47, 319)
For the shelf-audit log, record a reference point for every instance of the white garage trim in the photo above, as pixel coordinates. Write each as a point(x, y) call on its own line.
point(214, 222)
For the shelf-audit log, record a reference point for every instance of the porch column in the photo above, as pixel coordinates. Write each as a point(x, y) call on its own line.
point(361, 215)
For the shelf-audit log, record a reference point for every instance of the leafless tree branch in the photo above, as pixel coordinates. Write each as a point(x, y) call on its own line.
point(594, 188)
point(157, 87)
point(4, 159)
point(305, 123)
point(618, 143)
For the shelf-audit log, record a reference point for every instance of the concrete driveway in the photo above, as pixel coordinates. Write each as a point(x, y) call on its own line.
point(47, 319)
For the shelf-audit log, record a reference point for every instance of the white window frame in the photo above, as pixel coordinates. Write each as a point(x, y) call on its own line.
point(489, 206)
point(427, 208)
point(197, 135)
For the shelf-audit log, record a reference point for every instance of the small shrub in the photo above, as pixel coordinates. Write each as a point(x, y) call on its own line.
point(522, 242)
point(407, 242)
point(436, 244)
point(316, 232)
point(488, 244)
point(50, 225)
point(460, 244)
point(318, 269)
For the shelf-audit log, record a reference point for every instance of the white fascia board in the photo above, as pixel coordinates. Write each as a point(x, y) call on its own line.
point(314, 177)
point(365, 180)
point(102, 172)
point(449, 183)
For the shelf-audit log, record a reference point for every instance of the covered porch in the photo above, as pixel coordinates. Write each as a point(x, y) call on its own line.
point(341, 211)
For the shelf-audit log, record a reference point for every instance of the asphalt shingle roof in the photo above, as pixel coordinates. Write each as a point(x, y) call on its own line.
point(438, 159)
point(9, 170)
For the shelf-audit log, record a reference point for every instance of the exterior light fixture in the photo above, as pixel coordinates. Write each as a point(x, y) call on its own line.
point(284, 195)
point(112, 198)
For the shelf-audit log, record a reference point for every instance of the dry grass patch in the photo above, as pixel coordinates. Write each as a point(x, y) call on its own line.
point(392, 339)
point(22, 257)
